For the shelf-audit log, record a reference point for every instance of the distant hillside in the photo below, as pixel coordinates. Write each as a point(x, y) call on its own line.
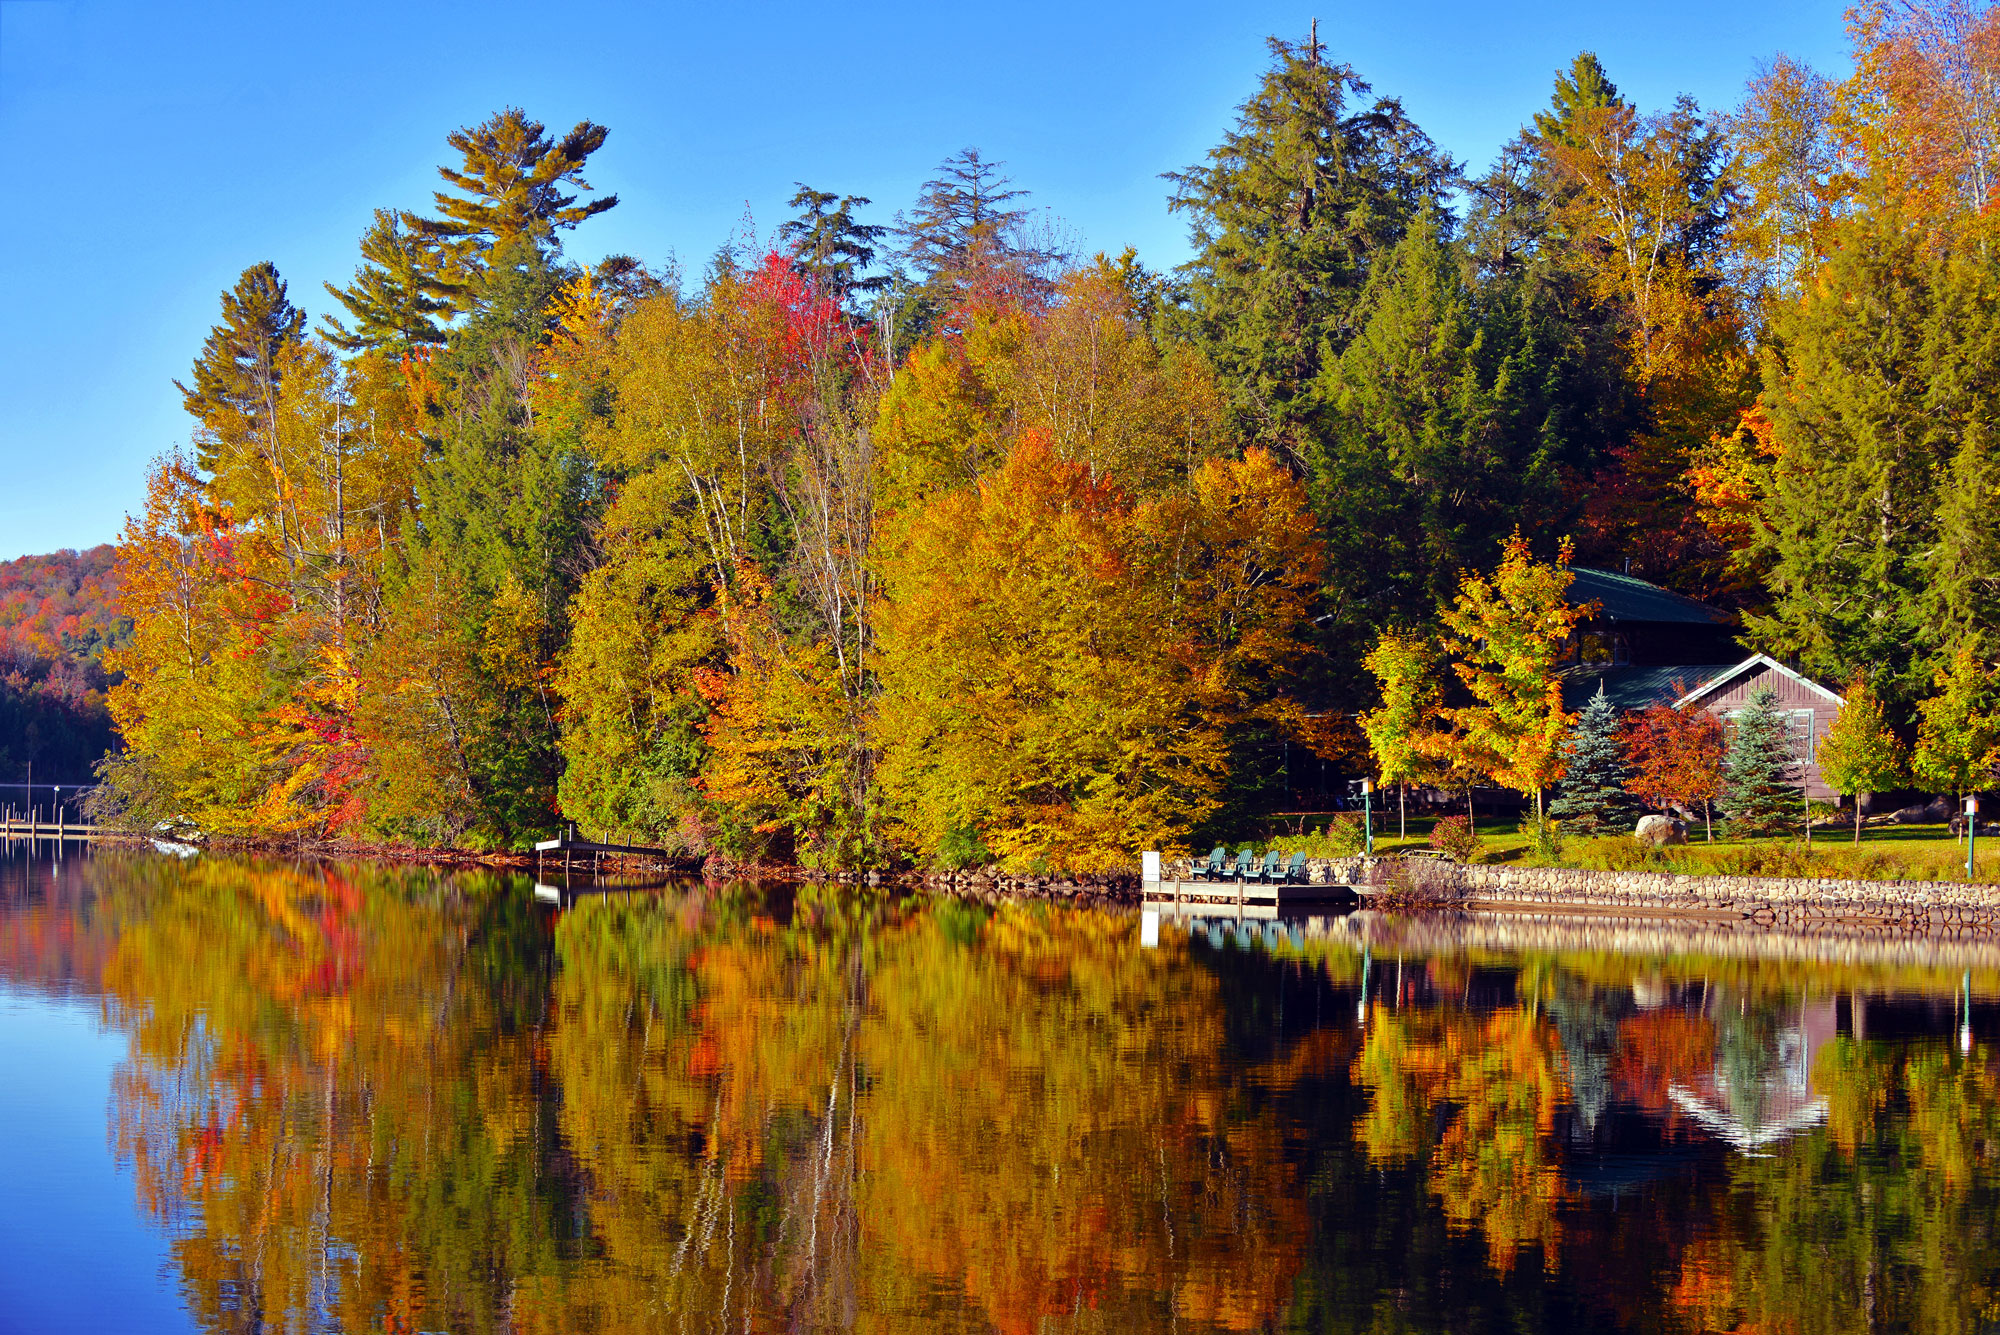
point(59, 614)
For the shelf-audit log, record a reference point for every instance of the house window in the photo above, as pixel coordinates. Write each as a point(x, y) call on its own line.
point(1800, 728)
point(1603, 649)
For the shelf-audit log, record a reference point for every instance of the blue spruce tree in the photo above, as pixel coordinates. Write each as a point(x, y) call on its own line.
point(1759, 794)
point(1593, 798)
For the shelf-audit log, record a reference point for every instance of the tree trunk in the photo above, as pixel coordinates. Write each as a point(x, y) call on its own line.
point(1708, 817)
point(1403, 811)
point(1857, 819)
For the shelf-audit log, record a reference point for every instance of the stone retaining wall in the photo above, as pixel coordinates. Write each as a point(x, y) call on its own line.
point(1942, 908)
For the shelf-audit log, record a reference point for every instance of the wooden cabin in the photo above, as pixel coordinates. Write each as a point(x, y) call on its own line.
point(1809, 708)
point(1646, 645)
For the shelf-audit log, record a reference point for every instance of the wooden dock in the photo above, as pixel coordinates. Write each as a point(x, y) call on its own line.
point(569, 854)
point(1253, 898)
point(1237, 897)
point(35, 826)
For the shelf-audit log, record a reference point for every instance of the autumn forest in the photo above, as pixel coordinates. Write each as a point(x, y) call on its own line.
point(927, 534)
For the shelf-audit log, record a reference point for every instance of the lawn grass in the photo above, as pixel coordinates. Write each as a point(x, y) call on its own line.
point(1885, 853)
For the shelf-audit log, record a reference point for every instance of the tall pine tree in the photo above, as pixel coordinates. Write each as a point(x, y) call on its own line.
point(398, 294)
point(240, 371)
point(513, 185)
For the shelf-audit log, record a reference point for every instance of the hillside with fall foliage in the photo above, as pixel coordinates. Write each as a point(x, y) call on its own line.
point(59, 615)
point(916, 535)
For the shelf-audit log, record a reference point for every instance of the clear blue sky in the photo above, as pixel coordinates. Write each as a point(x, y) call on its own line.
point(157, 149)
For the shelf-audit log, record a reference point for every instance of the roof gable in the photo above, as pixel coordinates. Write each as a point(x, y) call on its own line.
point(1722, 679)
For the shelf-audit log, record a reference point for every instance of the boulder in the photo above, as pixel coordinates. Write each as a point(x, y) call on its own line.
point(1657, 831)
point(1935, 812)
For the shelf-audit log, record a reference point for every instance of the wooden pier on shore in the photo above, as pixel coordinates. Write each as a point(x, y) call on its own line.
point(567, 853)
point(1235, 896)
point(35, 826)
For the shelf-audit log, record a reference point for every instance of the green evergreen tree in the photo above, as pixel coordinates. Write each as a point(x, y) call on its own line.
point(966, 241)
point(832, 247)
point(237, 377)
point(1289, 215)
point(1456, 413)
point(512, 180)
point(1759, 792)
point(1583, 87)
point(1594, 796)
point(1880, 382)
point(398, 293)
point(508, 505)
point(1962, 567)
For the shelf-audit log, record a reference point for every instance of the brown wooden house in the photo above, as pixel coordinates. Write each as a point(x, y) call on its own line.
point(1646, 645)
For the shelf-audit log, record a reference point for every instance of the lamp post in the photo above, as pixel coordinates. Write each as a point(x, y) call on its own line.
point(1971, 832)
point(1368, 815)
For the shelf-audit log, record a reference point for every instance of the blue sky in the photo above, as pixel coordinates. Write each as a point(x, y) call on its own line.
point(156, 149)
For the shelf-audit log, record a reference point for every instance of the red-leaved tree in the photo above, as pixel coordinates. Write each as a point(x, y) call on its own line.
point(1675, 756)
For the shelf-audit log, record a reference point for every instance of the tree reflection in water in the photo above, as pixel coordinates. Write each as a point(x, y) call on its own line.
point(363, 1099)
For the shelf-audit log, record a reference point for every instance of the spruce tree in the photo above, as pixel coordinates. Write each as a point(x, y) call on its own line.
point(1594, 795)
point(1880, 381)
point(1456, 413)
point(509, 503)
point(1758, 790)
point(966, 239)
point(237, 376)
point(1584, 87)
point(1289, 213)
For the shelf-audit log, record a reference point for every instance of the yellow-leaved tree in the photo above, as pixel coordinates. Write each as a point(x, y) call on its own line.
point(1506, 636)
point(1029, 711)
point(1400, 730)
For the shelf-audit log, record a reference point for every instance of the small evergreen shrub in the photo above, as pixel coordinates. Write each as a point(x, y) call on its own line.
point(963, 847)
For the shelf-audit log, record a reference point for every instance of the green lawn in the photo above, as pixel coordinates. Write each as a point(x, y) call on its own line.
point(1893, 852)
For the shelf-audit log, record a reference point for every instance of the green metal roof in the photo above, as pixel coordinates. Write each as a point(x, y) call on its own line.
point(1637, 687)
point(1629, 598)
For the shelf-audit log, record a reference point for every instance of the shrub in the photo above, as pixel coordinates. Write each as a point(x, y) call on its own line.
point(962, 847)
point(1616, 852)
point(1544, 836)
point(1455, 838)
point(1343, 837)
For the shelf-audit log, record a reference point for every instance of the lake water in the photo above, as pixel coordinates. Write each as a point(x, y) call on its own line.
point(242, 1096)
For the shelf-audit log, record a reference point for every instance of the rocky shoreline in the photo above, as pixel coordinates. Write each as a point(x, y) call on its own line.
point(1938, 909)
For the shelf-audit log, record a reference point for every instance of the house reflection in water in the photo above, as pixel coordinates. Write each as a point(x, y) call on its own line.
point(1760, 1089)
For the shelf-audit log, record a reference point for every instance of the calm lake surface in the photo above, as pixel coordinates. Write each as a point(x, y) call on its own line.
point(240, 1096)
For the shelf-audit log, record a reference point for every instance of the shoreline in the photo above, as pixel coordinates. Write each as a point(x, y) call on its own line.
point(1936, 910)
